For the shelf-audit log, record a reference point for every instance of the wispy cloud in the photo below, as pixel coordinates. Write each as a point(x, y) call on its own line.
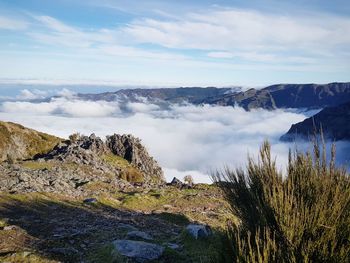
point(12, 23)
point(232, 30)
point(212, 45)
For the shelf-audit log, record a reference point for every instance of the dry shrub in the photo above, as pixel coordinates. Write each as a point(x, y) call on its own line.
point(303, 216)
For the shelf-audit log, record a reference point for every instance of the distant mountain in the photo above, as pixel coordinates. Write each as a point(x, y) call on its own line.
point(309, 96)
point(335, 123)
point(172, 95)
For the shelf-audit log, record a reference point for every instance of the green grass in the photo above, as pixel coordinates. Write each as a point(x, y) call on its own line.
point(129, 173)
point(3, 223)
point(206, 250)
point(37, 165)
point(28, 257)
point(107, 254)
point(178, 219)
point(115, 160)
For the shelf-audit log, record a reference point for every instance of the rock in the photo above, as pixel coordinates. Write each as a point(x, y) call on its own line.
point(11, 227)
point(173, 246)
point(127, 227)
point(90, 201)
point(176, 182)
point(131, 149)
point(198, 231)
point(138, 234)
point(140, 251)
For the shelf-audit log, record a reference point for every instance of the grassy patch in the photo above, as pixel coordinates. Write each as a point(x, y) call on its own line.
point(128, 172)
point(37, 165)
point(115, 160)
point(177, 219)
point(207, 250)
point(25, 256)
point(107, 254)
point(3, 223)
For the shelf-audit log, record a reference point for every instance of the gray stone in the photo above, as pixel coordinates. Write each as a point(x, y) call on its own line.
point(198, 231)
point(139, 251)
point(127, 227)
point(173, 246)
point(90, 201)
point(11, 227)
point(139, 234)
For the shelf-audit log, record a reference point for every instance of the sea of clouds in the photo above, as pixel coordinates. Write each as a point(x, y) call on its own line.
point(184, 139)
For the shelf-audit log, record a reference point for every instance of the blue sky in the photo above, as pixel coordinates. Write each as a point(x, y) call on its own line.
point(159, 42)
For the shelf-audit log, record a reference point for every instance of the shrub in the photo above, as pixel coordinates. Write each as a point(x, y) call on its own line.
point(188, 180)
point(303, 216)
point(74, 137)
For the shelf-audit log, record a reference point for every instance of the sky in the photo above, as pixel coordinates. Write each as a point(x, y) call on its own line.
point(172, 43)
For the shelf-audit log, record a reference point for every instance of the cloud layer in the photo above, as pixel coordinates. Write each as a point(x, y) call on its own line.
point(185, 139)
point(206, 45)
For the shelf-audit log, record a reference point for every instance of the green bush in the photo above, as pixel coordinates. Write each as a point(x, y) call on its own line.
point(303, 216)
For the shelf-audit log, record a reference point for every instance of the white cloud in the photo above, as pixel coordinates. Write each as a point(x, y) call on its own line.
point(185, 139)
point(62, 107)
point(12, 24)
point(236, 30)
point(28, 95)
point(66, 93)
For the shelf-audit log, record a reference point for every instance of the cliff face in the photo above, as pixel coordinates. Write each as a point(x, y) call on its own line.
point(18, 142)
point(334, 121)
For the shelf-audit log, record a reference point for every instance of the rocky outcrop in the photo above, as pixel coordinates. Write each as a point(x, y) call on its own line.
point(131, 149)
point(18, 142)
point(80, 150)
point(57, 177)
point(334, 122)
point(83, 165)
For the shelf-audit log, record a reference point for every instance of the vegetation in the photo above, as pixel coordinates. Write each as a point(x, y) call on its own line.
point(129, 173)
point(20, 142)
point(303, 216)
point(74, 137)
point(163, 213)
point(37, 165)
point(188, 179)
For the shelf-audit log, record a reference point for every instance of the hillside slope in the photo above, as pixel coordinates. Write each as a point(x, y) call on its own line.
point(19, 142)
point(334, 121)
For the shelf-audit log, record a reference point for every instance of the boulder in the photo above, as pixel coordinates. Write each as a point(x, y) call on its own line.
point(139, 251)
point(90, 201)
point(176, 182)
point(198, 230)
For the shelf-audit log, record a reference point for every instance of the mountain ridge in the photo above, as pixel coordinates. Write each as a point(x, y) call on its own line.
point(309, 96)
